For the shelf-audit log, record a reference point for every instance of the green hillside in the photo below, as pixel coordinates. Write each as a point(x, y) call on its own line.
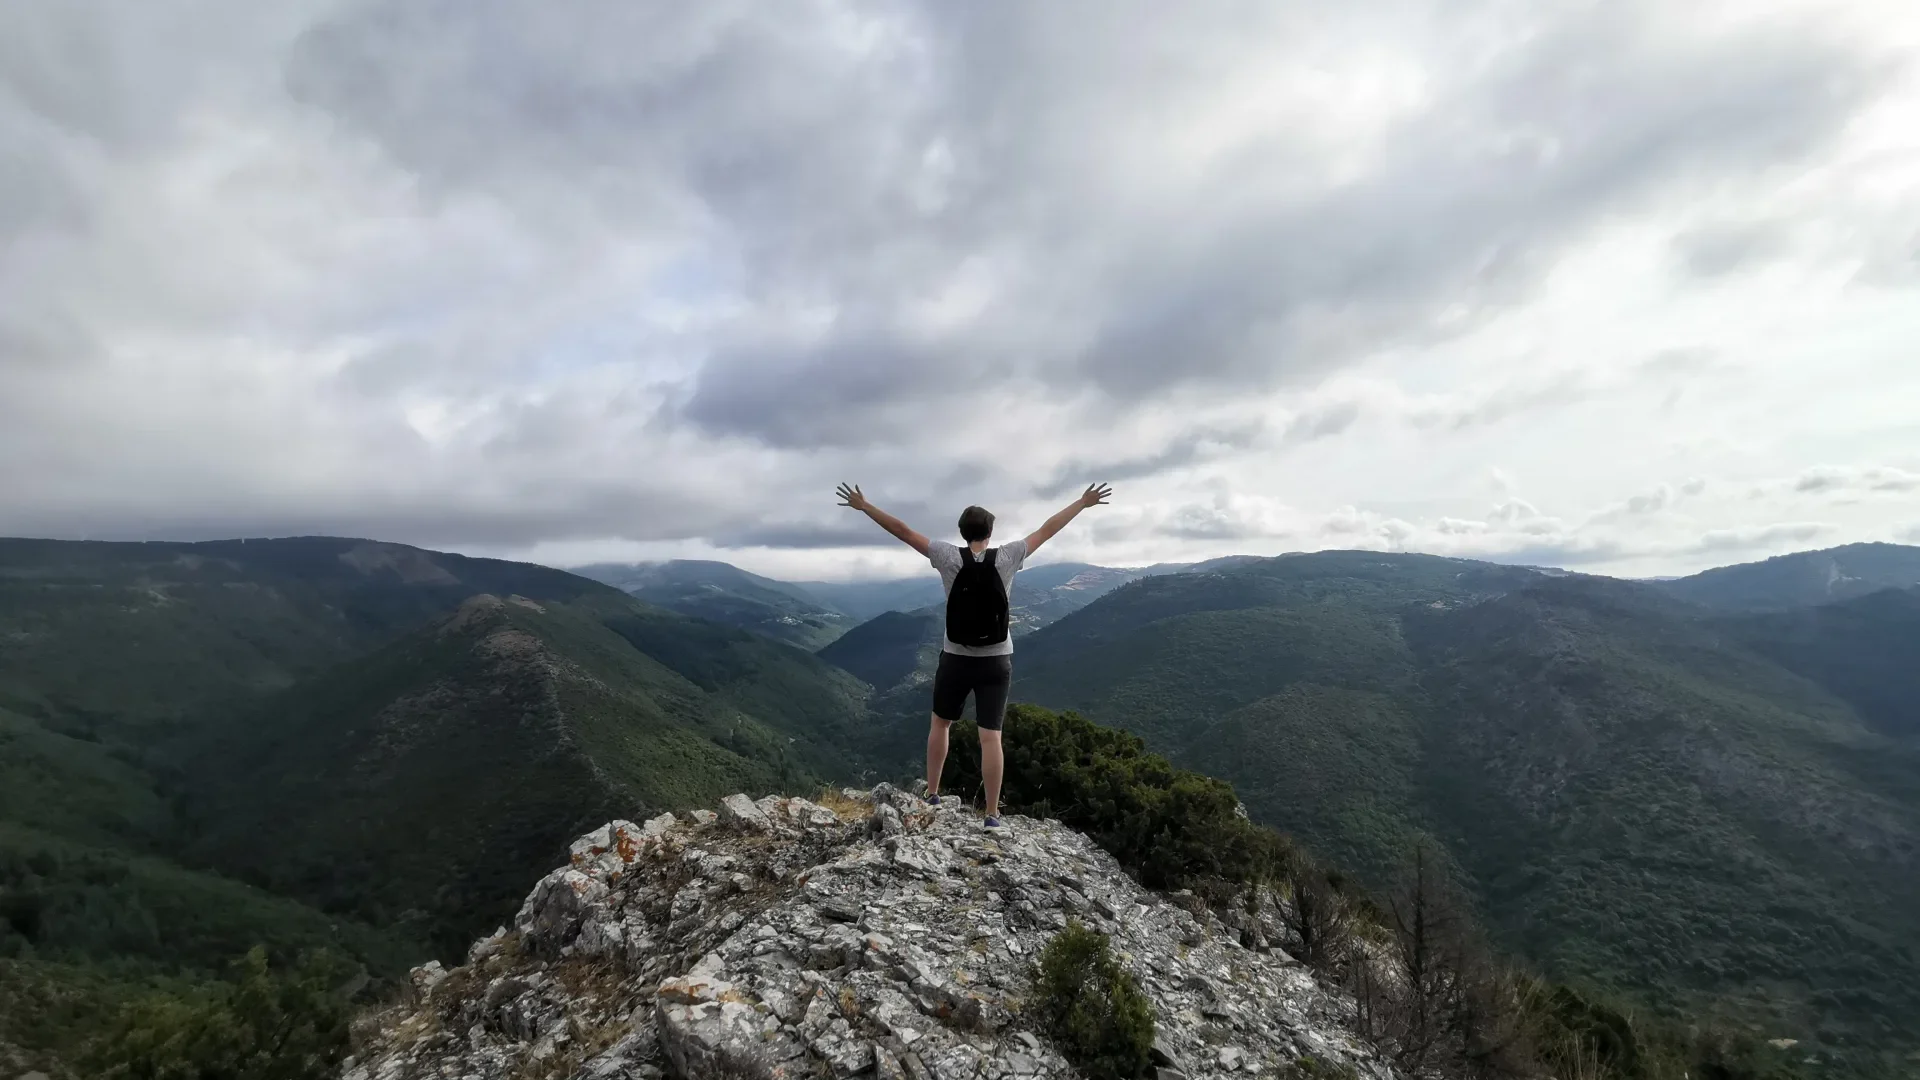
point(93, 911)
point(727, 594)
point(372, 747)
point(315, 741)
point(1865, 651)
point(1640, 801)
point(890, 648)
point(121, 634)
point(1802, 579)
point(1647, 807)
point(78, 788)
point(497, 737)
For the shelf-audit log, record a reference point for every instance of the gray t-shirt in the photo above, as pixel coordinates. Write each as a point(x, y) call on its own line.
point(946, 559)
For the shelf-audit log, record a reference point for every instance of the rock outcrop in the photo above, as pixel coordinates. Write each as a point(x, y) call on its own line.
point(876, 938)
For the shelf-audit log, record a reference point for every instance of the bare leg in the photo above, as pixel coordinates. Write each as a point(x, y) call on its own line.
point(992, 766)
point(937, 755)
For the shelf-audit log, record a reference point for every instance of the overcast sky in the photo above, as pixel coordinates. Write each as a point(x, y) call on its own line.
point(1629, 287)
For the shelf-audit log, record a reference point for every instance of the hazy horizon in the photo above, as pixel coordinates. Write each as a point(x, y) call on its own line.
point(902, 564)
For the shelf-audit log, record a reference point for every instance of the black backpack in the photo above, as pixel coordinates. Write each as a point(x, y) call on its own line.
point(977, 604)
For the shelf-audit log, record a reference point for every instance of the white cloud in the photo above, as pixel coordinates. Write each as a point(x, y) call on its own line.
point(1830, 479)
point(598, 278)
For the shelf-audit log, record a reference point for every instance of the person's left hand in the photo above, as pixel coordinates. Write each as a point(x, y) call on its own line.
point(850, 496)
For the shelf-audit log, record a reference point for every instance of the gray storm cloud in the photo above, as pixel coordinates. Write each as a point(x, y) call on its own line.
point(493, 274)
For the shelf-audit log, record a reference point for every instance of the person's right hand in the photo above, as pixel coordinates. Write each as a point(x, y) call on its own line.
point(850, 496)
point(1097, 495)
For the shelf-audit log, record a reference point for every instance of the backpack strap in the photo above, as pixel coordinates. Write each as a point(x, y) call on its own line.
point(986, 557)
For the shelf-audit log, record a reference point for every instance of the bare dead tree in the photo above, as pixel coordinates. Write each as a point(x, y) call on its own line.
point(1315, 916)
point(1490, 1034)
point(1437, 1001)
point(1422, 925)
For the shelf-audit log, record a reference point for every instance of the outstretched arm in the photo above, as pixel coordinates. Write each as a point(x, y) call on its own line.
point(1096, 495)
point(850, 496)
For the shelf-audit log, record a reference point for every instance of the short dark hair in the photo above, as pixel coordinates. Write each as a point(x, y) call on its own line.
point(975, 524)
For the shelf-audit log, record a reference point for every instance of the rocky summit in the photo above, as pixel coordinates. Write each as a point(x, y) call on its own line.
point(873, 937)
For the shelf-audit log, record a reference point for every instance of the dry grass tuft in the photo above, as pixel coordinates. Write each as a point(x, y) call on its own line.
point(588, 979)
point(588, 1041)
point(846, 809)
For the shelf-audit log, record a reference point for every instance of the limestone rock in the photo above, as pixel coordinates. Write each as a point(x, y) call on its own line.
point(886, 821)
point(810, 815)
point(741, 812)
point(555, 909)
point(427, 976)
point(592, 844)
point(487, 946)
point(791, 945)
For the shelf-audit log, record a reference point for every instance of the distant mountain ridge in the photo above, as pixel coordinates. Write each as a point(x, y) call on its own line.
point(725, 593)
point(113, 634)
point(1802, 579)
point(812, 614)
point(1064, 587)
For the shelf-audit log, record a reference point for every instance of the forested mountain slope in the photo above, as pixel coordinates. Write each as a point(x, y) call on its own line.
point(308, 715)
point(1865, 651)
point(493, 737)
point(891, 648)
point(368, 746)
point(108, 635)
point(1641, 794)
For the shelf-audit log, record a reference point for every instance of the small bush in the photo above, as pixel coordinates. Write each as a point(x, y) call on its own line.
point(1578, 1033)
point(265, 1025)
point(1169, 827)
point(1086, 1001)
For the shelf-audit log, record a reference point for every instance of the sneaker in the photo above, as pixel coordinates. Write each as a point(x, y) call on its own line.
point(933, 800)
point(994, 823)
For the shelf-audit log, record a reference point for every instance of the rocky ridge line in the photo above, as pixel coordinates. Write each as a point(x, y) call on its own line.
point(781, 939)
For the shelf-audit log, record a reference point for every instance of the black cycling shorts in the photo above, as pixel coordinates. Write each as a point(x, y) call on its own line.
point(985, 677)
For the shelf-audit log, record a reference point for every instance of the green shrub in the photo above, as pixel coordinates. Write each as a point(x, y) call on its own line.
point(1584, 1033)
point(1171, 828)
point(1721, 1055)
point(1576, 1028)
point(1086, 1001)
point(264, 1025)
